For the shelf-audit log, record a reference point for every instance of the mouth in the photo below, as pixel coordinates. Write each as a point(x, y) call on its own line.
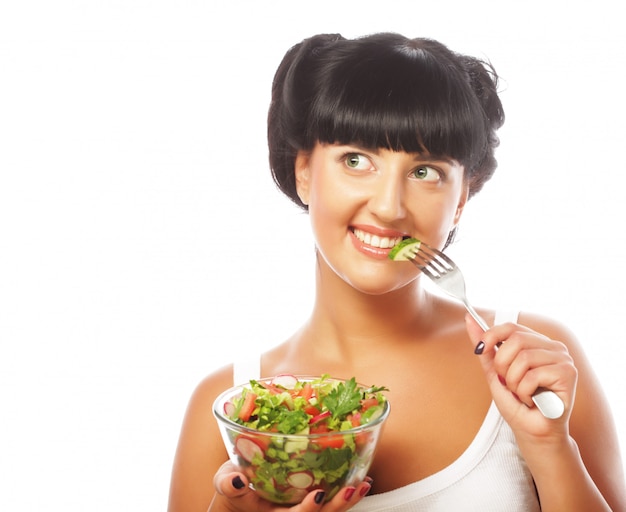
point(377, 241)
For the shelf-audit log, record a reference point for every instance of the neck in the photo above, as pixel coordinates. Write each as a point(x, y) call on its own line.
point(349, 318)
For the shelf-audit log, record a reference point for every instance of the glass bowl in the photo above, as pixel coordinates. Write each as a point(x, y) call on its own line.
point(283, 468)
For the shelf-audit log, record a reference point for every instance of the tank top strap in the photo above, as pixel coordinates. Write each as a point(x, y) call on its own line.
point(502, 316)
point(246, 369)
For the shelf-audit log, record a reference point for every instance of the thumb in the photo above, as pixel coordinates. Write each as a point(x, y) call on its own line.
point(229, 482)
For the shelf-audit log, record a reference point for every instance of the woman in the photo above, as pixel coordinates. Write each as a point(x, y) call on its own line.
point(382, 138)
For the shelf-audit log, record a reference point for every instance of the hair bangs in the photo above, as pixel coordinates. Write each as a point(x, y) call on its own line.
point(408, 103)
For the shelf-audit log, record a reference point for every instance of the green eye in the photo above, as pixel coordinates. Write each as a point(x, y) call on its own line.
point(353, 160)
point(425, 173)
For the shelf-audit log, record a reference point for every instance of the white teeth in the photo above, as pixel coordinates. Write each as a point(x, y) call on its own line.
point(383, 242)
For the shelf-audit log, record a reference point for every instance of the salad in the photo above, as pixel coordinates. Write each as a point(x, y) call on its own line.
point(300, 434)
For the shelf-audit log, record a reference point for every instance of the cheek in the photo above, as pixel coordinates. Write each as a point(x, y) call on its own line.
point(434, 218)
point(449, 221)
point(326, 208)
point(330, 197)
point(332, 206)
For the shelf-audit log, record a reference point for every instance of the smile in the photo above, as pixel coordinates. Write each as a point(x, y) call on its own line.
point(380, 242)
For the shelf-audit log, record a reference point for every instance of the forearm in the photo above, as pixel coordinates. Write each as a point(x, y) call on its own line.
point(562, 480)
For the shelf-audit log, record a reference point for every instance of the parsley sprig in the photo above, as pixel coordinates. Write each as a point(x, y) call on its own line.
point(343, 399)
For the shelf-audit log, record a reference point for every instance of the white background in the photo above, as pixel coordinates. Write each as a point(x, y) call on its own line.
point(143, 243)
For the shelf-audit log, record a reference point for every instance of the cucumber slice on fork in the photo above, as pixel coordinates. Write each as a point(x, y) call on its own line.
point(405, 250)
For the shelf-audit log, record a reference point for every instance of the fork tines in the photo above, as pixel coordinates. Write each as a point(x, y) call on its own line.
point(432, 262)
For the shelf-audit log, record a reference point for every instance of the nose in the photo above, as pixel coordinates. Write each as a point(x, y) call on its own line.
point(388, 196)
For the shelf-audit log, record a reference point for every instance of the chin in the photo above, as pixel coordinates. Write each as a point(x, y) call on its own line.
point(380, 288)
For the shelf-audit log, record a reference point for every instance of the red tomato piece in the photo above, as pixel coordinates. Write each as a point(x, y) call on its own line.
point(366, 403)
point(329, 441)
point(311, 410)
point(248, 406)
point(307, 391)
point(355, 419)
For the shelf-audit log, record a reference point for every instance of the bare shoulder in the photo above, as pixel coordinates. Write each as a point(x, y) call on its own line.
point(549, 327)
point(212, 385)
point(557, 331)
point(200, 451)
point(591, 425)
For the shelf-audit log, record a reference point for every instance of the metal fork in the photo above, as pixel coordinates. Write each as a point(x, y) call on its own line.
point(447, 275)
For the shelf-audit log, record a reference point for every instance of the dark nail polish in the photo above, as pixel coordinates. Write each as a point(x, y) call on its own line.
point(348, 493)
point(319, 497)
point(238, 482)
point(365, 489)
point(479, 348)
point(502, 380)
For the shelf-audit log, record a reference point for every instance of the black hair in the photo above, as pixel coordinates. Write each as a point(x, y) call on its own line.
point(384, 91)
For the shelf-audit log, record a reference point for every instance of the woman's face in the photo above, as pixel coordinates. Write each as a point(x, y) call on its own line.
point(363, 201)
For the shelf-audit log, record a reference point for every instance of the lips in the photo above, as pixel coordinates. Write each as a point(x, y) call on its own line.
point(378, 241)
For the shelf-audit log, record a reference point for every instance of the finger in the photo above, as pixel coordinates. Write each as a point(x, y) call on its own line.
point(485, 344)
point(474, 330)
point(486, 353)
point(230, 483)
point(525, 368)
point(348, 497)
point(312, 502)
point(540, 368)
point(524, 351)
point(491, 338)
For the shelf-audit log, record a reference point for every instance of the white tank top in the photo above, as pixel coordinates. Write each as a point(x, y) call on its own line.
point(490, 476)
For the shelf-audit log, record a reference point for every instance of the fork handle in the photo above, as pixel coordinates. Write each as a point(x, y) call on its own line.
point(548, 402)
point(476, 316)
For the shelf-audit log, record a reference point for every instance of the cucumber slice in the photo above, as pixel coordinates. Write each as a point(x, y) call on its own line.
point(405, 250)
